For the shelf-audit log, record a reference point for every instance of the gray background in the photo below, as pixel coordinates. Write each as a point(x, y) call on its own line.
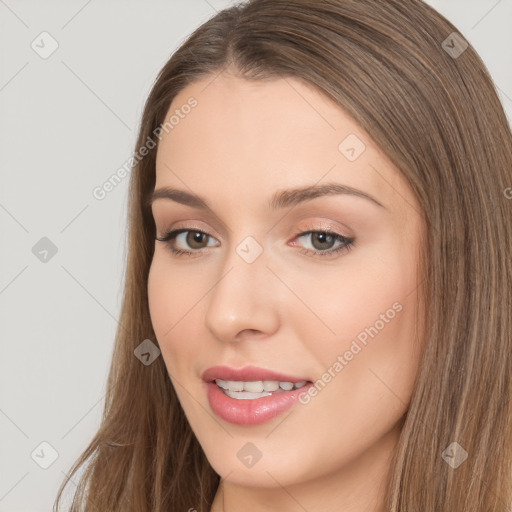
point(67, 123)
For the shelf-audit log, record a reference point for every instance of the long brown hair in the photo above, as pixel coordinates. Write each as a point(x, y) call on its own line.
point(396, 67)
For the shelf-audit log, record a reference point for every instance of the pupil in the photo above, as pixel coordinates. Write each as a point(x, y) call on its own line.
point(323, 238)
point(195, 237)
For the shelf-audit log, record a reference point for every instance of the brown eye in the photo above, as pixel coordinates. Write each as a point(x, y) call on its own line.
point(195, 239)
point(322, 241)
point(187, 241)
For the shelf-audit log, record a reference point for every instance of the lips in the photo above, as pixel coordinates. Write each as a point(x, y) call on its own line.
point(248, 373)
point(250, 409)
point(253, 411)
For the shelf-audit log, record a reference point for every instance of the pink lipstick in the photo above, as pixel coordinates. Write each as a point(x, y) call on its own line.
point(251, 395)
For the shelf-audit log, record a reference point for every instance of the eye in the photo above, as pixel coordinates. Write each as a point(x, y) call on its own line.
point(323, 243)
point(192, 238)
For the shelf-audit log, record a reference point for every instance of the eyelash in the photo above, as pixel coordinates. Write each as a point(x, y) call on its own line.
point(347, 243)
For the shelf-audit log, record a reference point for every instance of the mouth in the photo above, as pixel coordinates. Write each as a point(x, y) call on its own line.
point(252, 382)
point(246, 401)
point(252, 390)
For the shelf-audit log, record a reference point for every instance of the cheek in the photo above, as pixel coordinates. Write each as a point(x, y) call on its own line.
point(363, 336)
point(174, 298)
point(372, 290)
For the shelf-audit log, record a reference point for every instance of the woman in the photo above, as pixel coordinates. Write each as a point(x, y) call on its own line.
point(317, 312)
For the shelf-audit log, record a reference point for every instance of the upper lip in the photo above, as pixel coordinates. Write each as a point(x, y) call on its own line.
point(246, 374)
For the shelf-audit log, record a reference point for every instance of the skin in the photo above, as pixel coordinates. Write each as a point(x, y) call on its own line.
point(287, 311)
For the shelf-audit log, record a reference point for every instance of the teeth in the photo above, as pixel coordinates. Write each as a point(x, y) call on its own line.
point(246, 395)
point(253, 387)
point(270, 385)
point(258, 387)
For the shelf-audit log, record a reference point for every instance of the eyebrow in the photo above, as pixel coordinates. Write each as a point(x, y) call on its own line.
point(281, 199)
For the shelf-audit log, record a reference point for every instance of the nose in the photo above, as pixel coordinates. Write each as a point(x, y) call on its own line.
point(244, 300)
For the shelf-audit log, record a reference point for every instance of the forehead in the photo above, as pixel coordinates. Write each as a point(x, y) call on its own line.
point(255, 136)
point(270, 116)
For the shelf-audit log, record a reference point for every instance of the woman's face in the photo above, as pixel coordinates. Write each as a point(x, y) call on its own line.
point(266, 286)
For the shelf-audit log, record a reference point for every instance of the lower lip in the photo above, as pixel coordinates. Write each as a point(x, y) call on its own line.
point(251, 412)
